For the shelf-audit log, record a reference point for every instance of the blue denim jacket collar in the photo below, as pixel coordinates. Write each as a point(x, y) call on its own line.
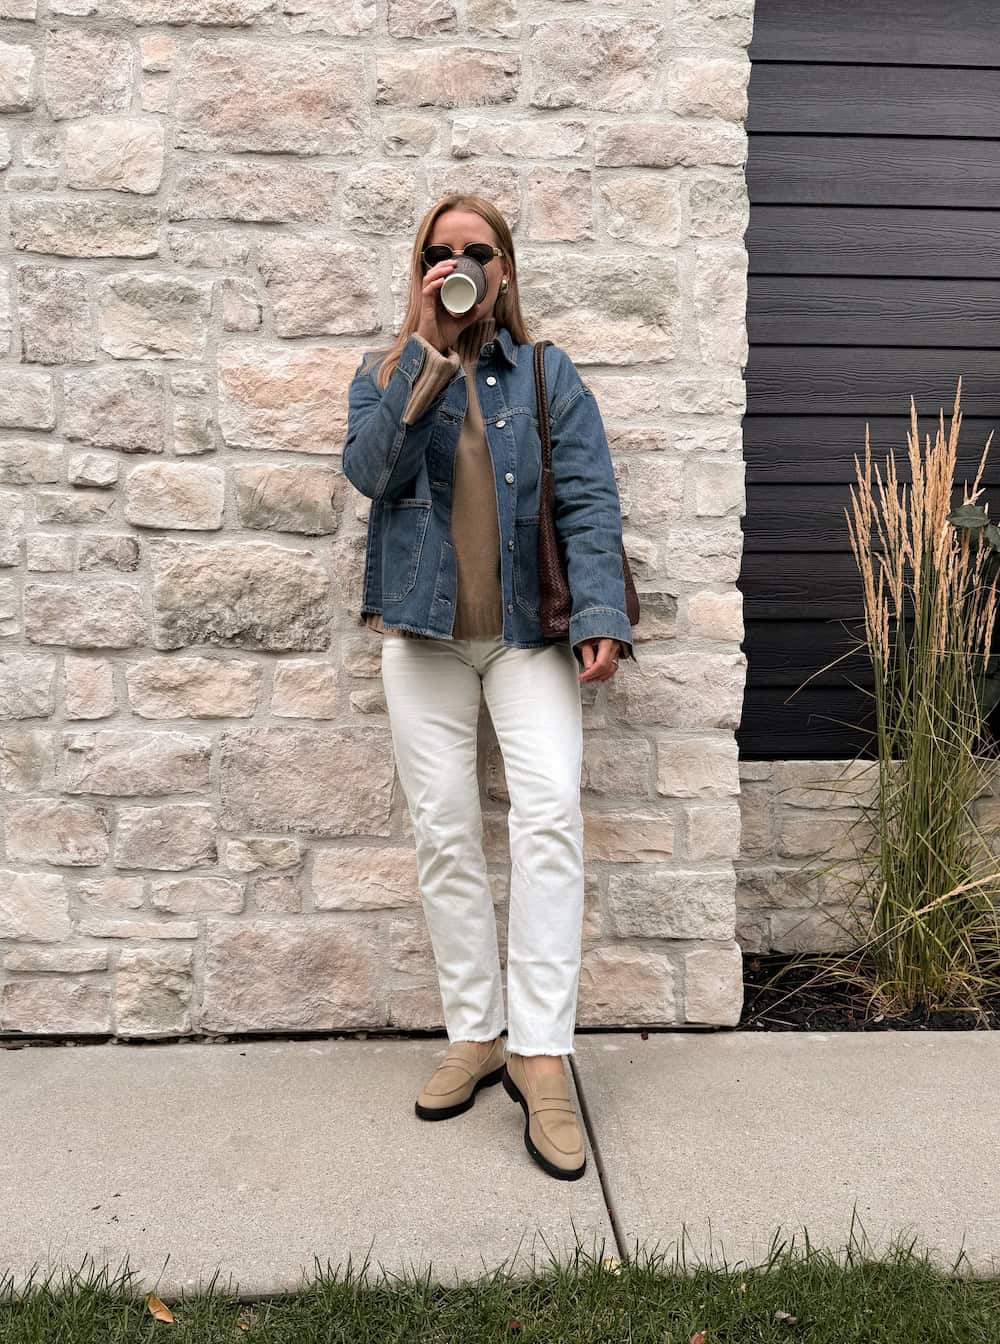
point(506, 342)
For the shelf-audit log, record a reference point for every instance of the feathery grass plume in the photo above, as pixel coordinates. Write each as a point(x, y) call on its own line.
point(924, 927)
point(933, 873)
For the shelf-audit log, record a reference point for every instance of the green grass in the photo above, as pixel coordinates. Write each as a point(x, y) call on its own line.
point(797, 1293)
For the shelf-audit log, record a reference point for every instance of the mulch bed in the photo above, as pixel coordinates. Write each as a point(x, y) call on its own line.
point(829, 1004)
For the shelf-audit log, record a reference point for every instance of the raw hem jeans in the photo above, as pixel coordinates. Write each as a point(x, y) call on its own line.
point(433, 690)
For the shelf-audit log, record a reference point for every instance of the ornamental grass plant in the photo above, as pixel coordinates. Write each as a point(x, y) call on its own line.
point(923, 928)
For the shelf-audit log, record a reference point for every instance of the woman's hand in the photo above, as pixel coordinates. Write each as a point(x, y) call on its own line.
point(437, 326)
point(600, 659)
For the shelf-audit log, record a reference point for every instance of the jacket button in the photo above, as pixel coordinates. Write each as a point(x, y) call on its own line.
point(501, 423)
point(491, 381)
point(510, 545)
point(509, 478)
point(510, 606)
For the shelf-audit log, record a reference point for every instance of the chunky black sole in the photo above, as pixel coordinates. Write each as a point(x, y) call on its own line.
point(560, 1173)
point(446, 1112)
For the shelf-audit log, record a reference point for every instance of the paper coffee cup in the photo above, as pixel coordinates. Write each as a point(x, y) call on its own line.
point(464, 286)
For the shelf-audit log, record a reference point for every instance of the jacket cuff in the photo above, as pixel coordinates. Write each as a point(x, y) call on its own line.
point(435, 375)
point(602, 623)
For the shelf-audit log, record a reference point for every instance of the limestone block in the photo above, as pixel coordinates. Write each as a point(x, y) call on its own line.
point(246, 96)
point(57, 831)
point(84, 615)
point(88, 687)
point(713, 980)
point(188, 687)
point(122, 761)
point(98, 228)
point(262, 853)
point(365, 878)
point(26, 400)
point(672, 903)
point(304, 689)
point(124, 153)
point(447, 76)
point(153, 990)
point(34, 907)
point(169, 494)
point(240, 594)
point(153, 316)
point(626, 986)
point(307, 500)
point(285, 398)
point(17, 77)
point(321, 781)
point(609, 64)
point(291, 974)
point(708, 87)
point(87, 71)
point(55, 1005)
point(697, 766)
point(54, 315)
point(252, 193)
point(116, 408)
point(170, 836)
point(27, 685)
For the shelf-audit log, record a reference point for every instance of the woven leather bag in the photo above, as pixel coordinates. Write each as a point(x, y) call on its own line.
point(555, 599)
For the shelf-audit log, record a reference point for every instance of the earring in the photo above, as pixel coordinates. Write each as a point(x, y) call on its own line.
point(504, 286)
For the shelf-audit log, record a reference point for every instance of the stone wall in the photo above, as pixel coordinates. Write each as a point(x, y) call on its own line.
point(805, 830)
point(208, 214)
point(805, 870)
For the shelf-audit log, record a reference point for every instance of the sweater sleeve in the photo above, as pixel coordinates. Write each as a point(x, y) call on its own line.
point(437, 372)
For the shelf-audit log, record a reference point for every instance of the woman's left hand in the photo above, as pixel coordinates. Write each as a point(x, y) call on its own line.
point(600, 659)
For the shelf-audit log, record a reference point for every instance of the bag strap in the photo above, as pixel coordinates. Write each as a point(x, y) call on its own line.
point(541, 392)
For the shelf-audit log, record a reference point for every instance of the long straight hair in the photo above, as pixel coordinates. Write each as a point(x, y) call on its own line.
point(507, 309)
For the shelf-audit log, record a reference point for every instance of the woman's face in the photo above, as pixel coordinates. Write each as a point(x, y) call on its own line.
point(459, 227)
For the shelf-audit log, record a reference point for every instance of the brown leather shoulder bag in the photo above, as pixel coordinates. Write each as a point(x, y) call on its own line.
point(555, 599)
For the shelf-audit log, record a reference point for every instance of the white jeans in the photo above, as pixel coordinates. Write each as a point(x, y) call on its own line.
point(433, 692)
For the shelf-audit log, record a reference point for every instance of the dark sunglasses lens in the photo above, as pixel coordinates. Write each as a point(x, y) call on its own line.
point(436, 253)
point(481, 252)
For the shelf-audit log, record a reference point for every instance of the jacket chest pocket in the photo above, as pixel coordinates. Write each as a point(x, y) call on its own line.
point(526, 564)
point(404, 526)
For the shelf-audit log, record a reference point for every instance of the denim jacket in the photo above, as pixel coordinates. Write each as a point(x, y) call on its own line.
point(410, 574)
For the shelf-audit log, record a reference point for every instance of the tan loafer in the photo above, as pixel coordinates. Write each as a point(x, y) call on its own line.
point(452, 1087)
point(551, 1133)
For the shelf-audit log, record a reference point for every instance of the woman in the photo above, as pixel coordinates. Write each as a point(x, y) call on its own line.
point(443, 438)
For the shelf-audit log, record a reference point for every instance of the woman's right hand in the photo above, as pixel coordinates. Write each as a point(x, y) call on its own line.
point(437, 326)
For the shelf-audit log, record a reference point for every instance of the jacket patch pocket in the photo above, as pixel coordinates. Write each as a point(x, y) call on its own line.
point(526, 593)
point(404, 526)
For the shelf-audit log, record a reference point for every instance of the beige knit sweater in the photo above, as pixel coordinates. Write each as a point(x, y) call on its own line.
point(475, 530)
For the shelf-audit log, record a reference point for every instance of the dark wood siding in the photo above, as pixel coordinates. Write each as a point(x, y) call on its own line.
point(874, 249)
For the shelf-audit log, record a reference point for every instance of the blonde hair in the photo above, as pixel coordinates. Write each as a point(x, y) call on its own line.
point(507, 309)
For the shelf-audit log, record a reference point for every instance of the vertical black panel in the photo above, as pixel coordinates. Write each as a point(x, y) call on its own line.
point(874, 250)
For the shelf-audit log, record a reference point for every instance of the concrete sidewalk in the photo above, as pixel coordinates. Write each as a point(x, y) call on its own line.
point(255, 1157)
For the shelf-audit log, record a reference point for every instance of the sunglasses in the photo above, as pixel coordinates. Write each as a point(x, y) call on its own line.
point(481, 252)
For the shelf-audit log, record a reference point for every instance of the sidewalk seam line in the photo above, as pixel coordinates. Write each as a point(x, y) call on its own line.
point(598, 1159)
